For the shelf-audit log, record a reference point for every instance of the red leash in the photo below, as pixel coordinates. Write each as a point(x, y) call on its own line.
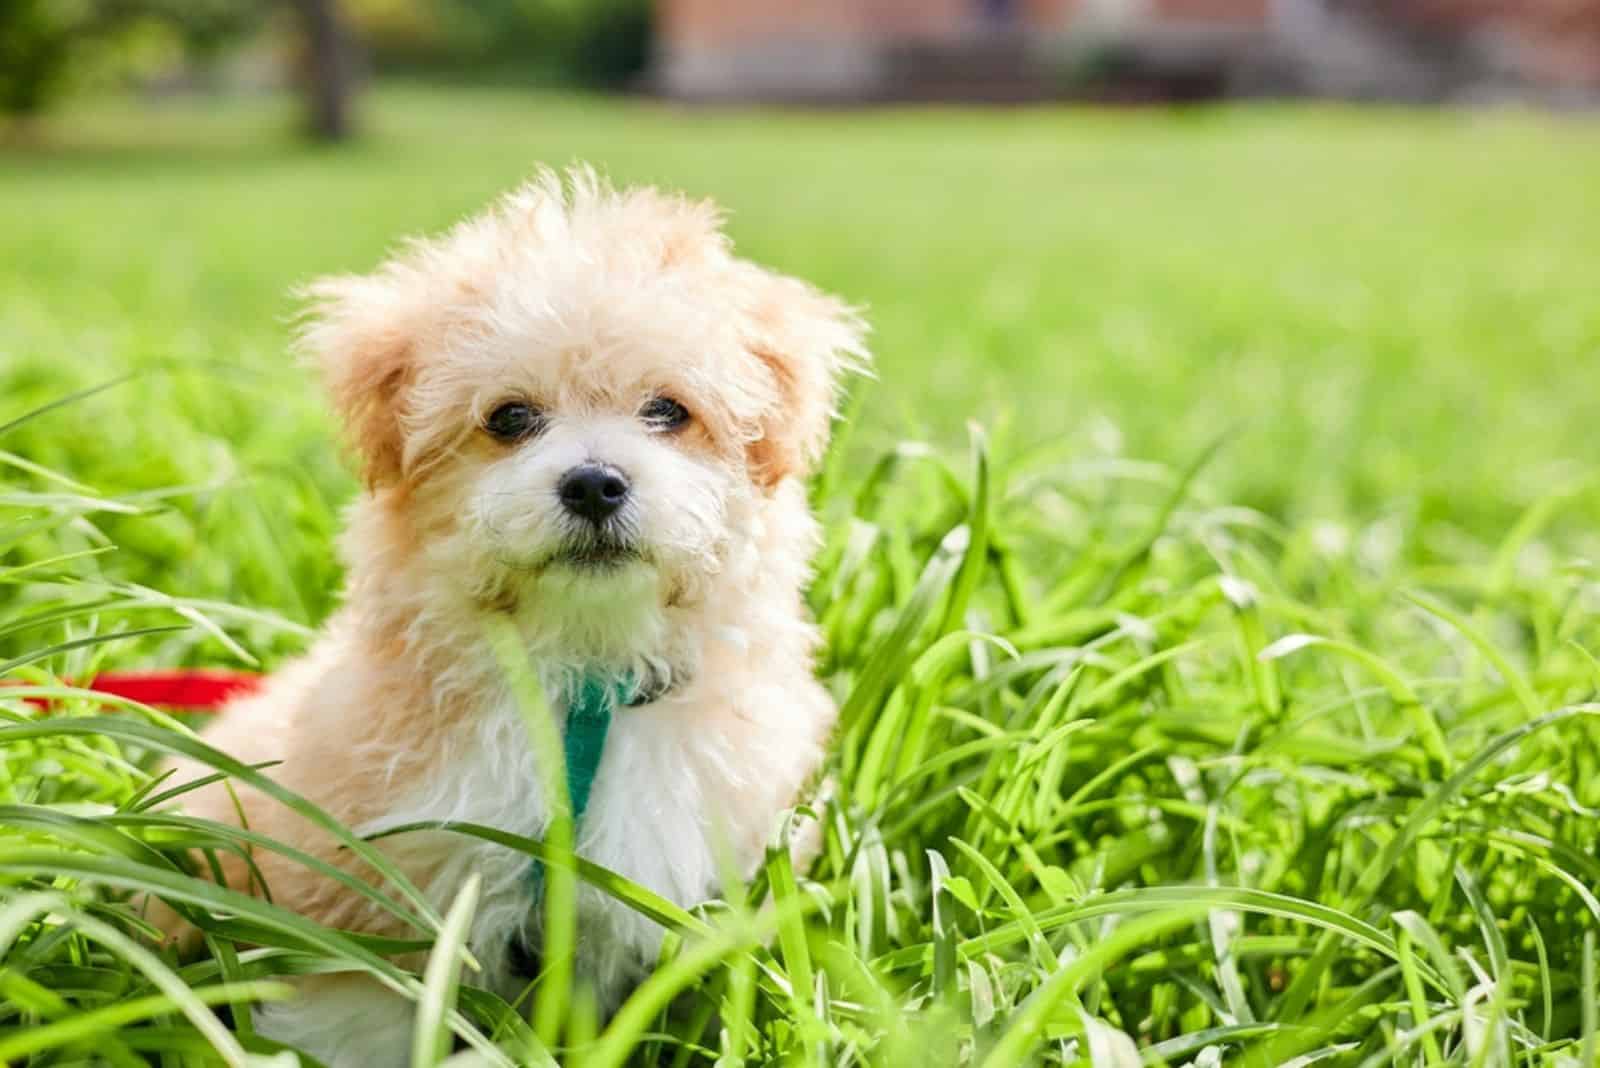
point(192, 689)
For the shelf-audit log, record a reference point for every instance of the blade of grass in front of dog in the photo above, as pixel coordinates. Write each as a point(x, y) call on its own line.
point(173, 743)
point(738, 1013)
point(94, 835)
point(791, 936)
point(430, 1038)
point(139, 596)
point(559, 935)
point(175, 991)
point(739, 933)
point(641, 899)
point(266, 921)
point(266, 918)
point(87, 1026)
point(227, 958)
point(508, 1030)
point(253, 839)
point(59, 613)
point(35, 655)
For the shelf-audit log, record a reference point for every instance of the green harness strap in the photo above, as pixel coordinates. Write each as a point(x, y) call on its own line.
point(589, 713)
point(591, 702)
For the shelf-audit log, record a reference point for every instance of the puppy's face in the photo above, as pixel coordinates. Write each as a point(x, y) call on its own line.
point(593, 486)
point(579, 401)
point(596, 472)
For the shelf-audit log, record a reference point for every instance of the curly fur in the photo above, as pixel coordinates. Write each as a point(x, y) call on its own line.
point(586, 302)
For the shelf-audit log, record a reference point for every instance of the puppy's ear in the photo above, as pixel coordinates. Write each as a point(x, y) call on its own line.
point(807, 340)
point(359, 334)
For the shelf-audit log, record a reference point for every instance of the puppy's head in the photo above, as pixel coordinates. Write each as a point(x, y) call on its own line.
point(579, 399)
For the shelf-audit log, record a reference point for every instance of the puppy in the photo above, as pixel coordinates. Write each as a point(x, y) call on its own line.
point(581, 419)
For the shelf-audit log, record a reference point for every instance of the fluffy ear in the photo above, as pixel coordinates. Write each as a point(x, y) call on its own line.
point(358, 334)
point(807, 340)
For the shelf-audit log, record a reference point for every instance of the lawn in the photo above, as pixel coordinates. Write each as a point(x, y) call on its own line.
point(1245, 720)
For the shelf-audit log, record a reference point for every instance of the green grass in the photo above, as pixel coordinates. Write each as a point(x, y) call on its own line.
point(1275, 752)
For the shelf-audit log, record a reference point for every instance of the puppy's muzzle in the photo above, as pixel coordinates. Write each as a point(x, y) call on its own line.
point(593, 491)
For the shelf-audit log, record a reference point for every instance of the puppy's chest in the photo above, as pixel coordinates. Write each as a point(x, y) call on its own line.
point(645, 815)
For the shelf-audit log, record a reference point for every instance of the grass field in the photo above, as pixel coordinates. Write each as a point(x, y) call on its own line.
point(1247, 719)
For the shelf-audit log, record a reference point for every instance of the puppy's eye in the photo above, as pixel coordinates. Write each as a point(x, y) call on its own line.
point(664, 413)
point(514, 421)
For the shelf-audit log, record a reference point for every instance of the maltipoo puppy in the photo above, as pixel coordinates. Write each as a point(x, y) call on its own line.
point(582, 420)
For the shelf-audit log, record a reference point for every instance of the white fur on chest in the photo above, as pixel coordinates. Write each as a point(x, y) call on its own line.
point(646, 820)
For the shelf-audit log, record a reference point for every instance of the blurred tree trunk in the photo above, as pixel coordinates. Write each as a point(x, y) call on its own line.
point(328, 70)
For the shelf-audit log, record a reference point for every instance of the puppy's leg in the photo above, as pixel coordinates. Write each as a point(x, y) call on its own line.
point(344, 1021)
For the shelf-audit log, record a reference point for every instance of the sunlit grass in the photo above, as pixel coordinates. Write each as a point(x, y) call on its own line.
point(1229, 701)
point(1205, 787)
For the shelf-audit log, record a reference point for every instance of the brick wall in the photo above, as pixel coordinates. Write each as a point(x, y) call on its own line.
point(1555, 42)
point(725, 21)
point(866, 49)
point(1209, 10)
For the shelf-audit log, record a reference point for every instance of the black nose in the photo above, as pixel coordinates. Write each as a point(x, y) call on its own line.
point(593, 491)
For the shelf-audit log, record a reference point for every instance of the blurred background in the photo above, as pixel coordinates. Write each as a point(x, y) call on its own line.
point(842, 51)
point(1359, 238)
point(838, 51)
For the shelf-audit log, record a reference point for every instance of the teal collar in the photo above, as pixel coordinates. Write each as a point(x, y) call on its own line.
point(591, 699)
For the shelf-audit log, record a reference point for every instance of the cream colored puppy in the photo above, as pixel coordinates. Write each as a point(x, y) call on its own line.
point(580, 413)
